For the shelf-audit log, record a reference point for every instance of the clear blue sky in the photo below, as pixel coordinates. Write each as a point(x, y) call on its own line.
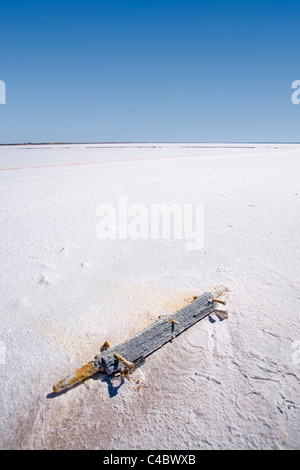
point(193, 71)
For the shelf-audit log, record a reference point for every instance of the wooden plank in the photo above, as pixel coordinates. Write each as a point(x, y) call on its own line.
point(156, 335)
point(133, 352)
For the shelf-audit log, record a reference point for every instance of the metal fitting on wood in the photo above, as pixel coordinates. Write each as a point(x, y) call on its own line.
point(128, 364)
point(105, 346)
point(219, 301)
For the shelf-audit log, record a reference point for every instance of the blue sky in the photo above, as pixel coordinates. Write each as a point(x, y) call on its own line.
point(146, 71)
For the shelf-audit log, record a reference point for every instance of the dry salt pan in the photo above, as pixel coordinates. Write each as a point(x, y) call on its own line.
point(65, 291)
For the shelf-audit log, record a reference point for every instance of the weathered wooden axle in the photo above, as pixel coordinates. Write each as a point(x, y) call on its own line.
point(132, 353)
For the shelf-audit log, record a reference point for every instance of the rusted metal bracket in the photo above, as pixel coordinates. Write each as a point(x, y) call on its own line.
point(129, 355)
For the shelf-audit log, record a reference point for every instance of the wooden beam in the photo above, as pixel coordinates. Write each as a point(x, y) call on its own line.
point(132, 353)
point(156, 335)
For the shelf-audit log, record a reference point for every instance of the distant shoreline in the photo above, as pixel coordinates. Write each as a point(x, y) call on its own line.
point(142, 142)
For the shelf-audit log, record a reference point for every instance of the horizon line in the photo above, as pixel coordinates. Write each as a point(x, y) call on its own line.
point(149, 142)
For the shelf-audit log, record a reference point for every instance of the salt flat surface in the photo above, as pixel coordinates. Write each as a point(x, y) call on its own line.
point(222, 384)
